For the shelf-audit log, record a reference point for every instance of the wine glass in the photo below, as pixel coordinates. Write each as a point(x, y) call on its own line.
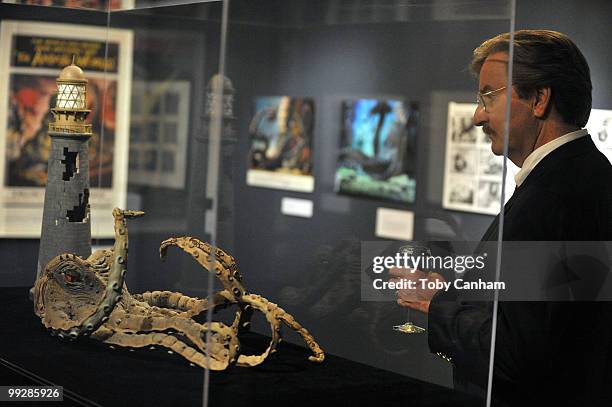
point(412, 250)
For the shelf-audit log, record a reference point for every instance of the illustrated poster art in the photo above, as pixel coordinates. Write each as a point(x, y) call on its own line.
point(378, 149)
point(31, 57)
point(281, 133)
point(600, 129)
point(473, 174)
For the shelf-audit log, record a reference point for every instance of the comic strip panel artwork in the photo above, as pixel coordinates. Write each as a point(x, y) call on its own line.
point(600, 129)
point(473, 176)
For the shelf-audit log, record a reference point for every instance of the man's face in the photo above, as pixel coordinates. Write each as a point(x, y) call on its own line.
point(494, 75)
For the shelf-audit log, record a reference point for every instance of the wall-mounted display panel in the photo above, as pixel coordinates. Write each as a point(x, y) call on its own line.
point(158, 133)
point(600, 129)
point(473, 174)
point(346, 73)
point(32, 54)
point(378, 149)
point(281, 139)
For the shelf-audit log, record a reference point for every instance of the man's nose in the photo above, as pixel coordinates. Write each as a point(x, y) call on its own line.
point(480, 116)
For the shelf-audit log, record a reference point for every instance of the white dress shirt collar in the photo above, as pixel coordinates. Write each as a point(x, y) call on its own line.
point(539, 153)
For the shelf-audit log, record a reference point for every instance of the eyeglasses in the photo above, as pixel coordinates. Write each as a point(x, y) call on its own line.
point(480, 97)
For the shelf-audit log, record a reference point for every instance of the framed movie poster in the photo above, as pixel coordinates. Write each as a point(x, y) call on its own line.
point(280, 154)
point(31, 56)
point(600, 129)
point(158, 133)
point(378, 147)
point(473, 174)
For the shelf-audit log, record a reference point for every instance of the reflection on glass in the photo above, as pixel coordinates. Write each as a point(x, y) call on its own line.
point(170, 130)
point(133, 161)
point(167, 161)
point(134, 133)
point(153, 132)
point(172, 103)
point(412, 251)
point(150, 160)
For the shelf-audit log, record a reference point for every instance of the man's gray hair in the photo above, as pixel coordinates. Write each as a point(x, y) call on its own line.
point(544, 58)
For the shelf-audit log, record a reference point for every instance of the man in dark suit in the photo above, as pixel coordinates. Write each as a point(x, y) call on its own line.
point(551, 352)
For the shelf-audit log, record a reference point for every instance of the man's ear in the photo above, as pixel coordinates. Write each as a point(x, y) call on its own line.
point(542, 102)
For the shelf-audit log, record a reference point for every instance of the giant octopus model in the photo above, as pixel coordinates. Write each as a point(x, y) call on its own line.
point(76, 298)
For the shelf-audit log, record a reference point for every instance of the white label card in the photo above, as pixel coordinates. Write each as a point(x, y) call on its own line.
point(297, 207)
point(394, 224)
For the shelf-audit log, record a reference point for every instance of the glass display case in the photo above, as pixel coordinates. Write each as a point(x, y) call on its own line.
point(317, 144)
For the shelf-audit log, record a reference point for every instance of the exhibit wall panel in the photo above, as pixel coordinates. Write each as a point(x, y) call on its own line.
point(303, 180)
point(311, 265)
point(46, 38)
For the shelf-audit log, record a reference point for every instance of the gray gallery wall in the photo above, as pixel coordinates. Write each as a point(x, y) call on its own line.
point(311, 266)
point(308, 265)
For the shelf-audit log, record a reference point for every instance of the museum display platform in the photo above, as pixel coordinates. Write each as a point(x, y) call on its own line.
point(93, 374)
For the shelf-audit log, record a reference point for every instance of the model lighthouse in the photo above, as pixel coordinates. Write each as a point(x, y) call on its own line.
point(66, 222)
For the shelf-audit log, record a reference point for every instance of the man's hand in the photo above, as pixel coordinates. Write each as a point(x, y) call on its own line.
point(419, 297)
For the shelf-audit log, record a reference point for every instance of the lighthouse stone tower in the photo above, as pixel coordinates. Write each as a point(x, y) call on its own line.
point(66, 224)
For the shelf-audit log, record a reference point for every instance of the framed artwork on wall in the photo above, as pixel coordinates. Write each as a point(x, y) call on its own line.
point(281, 139)
point(473, 174)
point(378, 149)
point(31, 57)
point(600, 129)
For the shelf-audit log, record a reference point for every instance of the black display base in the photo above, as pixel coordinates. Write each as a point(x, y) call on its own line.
point(93, 374)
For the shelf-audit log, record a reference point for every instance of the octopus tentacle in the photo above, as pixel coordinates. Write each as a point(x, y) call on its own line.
point(223, 342)
point(226, 271)
point(139, 308)
point(159, 339)
point(76, 297)
point(169, 299)
point(114, 285)
point(116, 276)
point(275, 314)
point(212, 259)
point(152, 321)
point(253, 360)
point(185, 305)
point(224, 267)
point(289, 320)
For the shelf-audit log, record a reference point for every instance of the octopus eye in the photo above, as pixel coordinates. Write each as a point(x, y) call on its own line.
point(72, 276)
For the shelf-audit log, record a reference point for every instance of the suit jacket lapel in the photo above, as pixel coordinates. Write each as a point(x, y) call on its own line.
point(492, 232)
point(549, 163)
